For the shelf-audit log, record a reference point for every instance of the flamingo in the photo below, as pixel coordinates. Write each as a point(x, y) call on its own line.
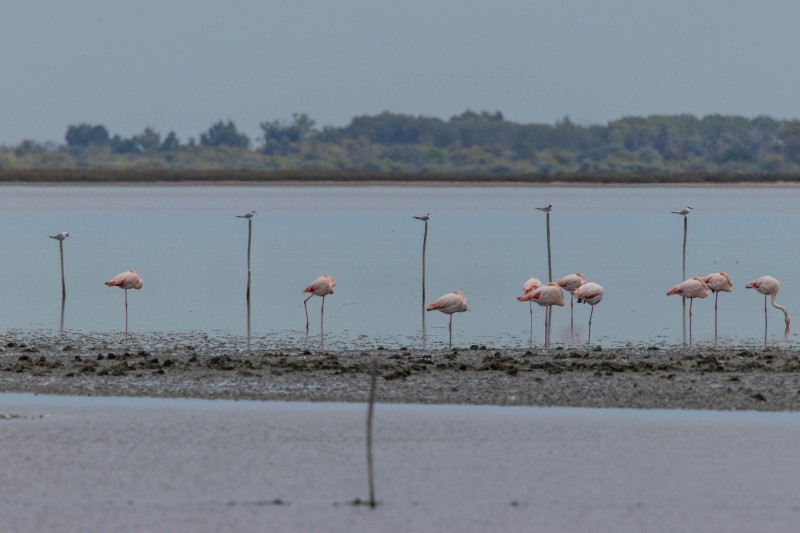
point(528, 286)
point(589, 293)
point(126, 280)
point(452, 302)
point(767, 285)
point(569, 283)
point(691, 288)
point(547, 296)
point(717, 282)
point(322, 286)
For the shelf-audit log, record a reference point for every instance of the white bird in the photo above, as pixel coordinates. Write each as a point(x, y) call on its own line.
point(685, 211)
point(424, 218)
point(546, 209)
point(249, 214)
point(453, 302)
point(60, 236)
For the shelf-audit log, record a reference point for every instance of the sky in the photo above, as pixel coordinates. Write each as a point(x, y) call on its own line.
point(182, 65)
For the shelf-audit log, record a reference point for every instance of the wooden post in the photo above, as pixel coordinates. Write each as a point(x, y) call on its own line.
point(63, 284)
point(424, 245)
point(249, 240)
point(548, 309)
point(370, 412)
point(683, 272)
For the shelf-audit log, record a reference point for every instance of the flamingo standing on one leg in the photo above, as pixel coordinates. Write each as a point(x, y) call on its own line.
point(691, 288)
point(530, 285)
point(126, 280)
point(717, 282)
point(569, 283)
point(589, 293)
point(453, 302)
point(767, 285)
point(547, 296)
point(322, 286)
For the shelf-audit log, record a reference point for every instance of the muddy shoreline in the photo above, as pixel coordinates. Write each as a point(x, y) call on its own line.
point(196, 366)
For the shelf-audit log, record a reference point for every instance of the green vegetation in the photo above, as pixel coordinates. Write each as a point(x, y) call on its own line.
point(632, 148)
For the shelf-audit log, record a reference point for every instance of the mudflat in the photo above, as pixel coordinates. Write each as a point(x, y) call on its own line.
point(192, 365)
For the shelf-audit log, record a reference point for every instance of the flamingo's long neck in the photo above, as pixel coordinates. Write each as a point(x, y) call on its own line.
point(779, 306)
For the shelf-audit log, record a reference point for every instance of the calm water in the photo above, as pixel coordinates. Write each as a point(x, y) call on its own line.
point(190, 249)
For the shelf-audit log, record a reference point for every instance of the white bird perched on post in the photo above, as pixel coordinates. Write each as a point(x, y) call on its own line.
point(545, 209)
point(426, 217)
point(60, 236)
point(685, 211)
point(249, 214)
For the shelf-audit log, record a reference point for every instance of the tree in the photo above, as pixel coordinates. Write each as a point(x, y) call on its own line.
point(279, 136)
point(171, 142)
point(84, 135)
point(221, 134)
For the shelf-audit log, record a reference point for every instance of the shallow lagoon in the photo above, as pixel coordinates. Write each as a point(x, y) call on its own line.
point(190, 249)
point(100, 464)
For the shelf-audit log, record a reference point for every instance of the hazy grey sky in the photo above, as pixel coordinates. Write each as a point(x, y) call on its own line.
point(182, 65)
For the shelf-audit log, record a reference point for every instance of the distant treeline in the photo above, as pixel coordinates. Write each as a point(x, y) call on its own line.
point(170, 176)
point(467, 144)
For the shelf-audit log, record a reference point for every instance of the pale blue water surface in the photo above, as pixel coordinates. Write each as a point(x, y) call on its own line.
point(486, 241)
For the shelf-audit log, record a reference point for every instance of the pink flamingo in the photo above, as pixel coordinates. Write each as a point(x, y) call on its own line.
point(546, 296)
point(322, 286)
point(528, 286)
point(767, 285)
point(717, 282)
point(691, 288)
point(589, 293)
point(126, 280)
point(453, 302)
point(570, 283)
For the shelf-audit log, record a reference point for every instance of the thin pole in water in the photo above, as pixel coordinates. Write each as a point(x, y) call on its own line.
point(370, 412)
point(424, 245)
point(683, 274)
point(249, 241)
point(63, 283)
point(550, 278)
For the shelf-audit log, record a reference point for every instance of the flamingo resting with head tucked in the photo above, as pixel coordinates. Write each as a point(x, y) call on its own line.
point(569, 283)
point(691, 288)
point(528, 286)
point(547, 296)
point(717, 282)
point(452, 302)
point(126, 280)
point(322, 286)
point(769, 286)
point(589, 293)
